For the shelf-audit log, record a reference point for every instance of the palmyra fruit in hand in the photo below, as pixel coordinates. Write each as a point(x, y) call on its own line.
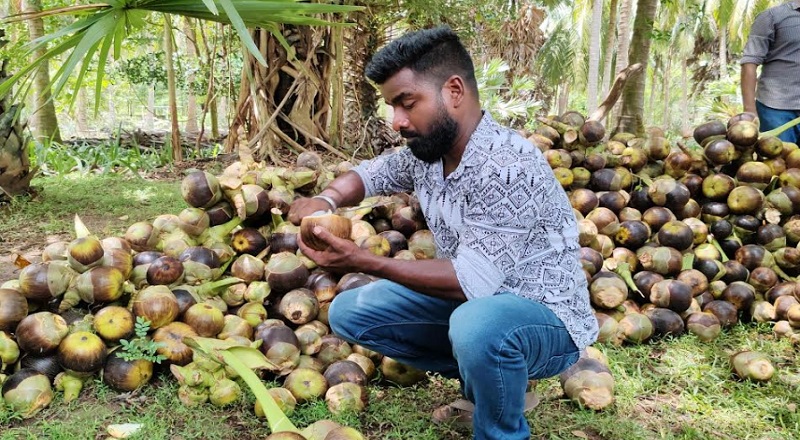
point(336, 224)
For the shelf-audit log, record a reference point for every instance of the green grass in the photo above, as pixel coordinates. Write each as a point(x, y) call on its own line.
point(671, 389)
point(107, 203)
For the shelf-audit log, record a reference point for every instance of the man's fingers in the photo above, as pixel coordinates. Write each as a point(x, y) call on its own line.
point(321, 233)
point(324, 234)
point(304, 247)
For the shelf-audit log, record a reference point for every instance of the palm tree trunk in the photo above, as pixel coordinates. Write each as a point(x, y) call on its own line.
point(563, 98)
point(723, 51)
point(632, 110)
point(652, 102)
point(594, 55)
point(337, 88)
point(191, 102)
point(81, 119)
point(45, 121)
point(666, 84)
point(623, 45)
point(364, 130)
point(611, 39)
point(224, 110)
point(150, 111)
point(213, 113)
point(175, 138)
point(112, 109)
point(210, 106)
point(685, 118)
point(288, 103)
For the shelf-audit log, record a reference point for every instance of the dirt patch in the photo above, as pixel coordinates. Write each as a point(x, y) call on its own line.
point(27, 243)
point(26, 246)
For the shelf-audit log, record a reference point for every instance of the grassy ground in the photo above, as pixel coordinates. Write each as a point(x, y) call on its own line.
point(671, 389)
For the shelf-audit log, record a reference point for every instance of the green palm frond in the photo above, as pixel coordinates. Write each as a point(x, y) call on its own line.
point(556, 60)
point(725, 10)
point(742, 17)
point(98, 27)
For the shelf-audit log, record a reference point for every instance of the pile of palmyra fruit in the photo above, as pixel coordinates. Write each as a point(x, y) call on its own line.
point(676, 237)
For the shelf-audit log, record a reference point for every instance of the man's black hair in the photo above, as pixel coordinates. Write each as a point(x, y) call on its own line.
point(436, 53)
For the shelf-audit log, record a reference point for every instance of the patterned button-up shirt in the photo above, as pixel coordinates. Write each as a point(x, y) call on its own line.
point(774, 42)
point(501, 217)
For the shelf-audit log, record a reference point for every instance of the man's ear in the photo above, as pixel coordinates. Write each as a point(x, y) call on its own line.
point(454, 90)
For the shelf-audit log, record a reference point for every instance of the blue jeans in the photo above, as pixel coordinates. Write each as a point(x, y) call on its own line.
point(492, 344)
point(773, 118)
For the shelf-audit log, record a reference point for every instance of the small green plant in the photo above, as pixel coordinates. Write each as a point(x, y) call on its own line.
point(140, 347)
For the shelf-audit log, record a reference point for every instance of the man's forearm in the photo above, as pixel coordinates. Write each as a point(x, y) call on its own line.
point(749, 87)
point(436, 277)
point(345, 190)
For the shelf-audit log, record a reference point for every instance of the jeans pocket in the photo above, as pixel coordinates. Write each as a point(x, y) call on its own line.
point(556, 365)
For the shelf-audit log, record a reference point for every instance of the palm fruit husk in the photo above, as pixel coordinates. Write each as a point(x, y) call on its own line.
point(337, 225)
point(126, 375)
point(299, 306)
point(284, 271)
point(671, 294)
point(9, 350)
point(752, 365)
point(27, 392)
point(157, 304)
point(726, 313)
point(346, 397)
point(41, 333)
point(171, 338)
point(589, 383)
point(45, 281)
point(400, 374)
point(280, 346)
point(13, 308)
point(201, 189)
point(306, 385)
point(607, 290)
point(635, 328)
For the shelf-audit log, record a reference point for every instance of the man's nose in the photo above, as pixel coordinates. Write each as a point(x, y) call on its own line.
point(399, 120)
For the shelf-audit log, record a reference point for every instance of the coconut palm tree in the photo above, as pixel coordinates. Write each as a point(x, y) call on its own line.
point(631, 118)
point(45, 122)
point(557, 61)
point(729, 22)
point(594, 56)
point(609, 44)
point(623, 45)
point(678, 21)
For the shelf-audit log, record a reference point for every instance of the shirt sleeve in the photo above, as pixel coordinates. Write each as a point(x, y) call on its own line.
point(762, 34)
point(520, 233)
point(388, 173)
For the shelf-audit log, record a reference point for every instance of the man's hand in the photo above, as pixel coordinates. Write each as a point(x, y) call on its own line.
point(305, 206)
point(341, 256)
point(345, 190)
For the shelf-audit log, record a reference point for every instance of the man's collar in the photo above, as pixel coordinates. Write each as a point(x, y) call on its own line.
point(483, 135)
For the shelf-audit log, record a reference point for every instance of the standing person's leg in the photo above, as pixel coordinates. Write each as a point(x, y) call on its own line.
point(770, 118)
point(398, 322)
point(500, 342)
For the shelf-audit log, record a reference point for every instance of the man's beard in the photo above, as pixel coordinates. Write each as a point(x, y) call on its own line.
point(441, 138)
